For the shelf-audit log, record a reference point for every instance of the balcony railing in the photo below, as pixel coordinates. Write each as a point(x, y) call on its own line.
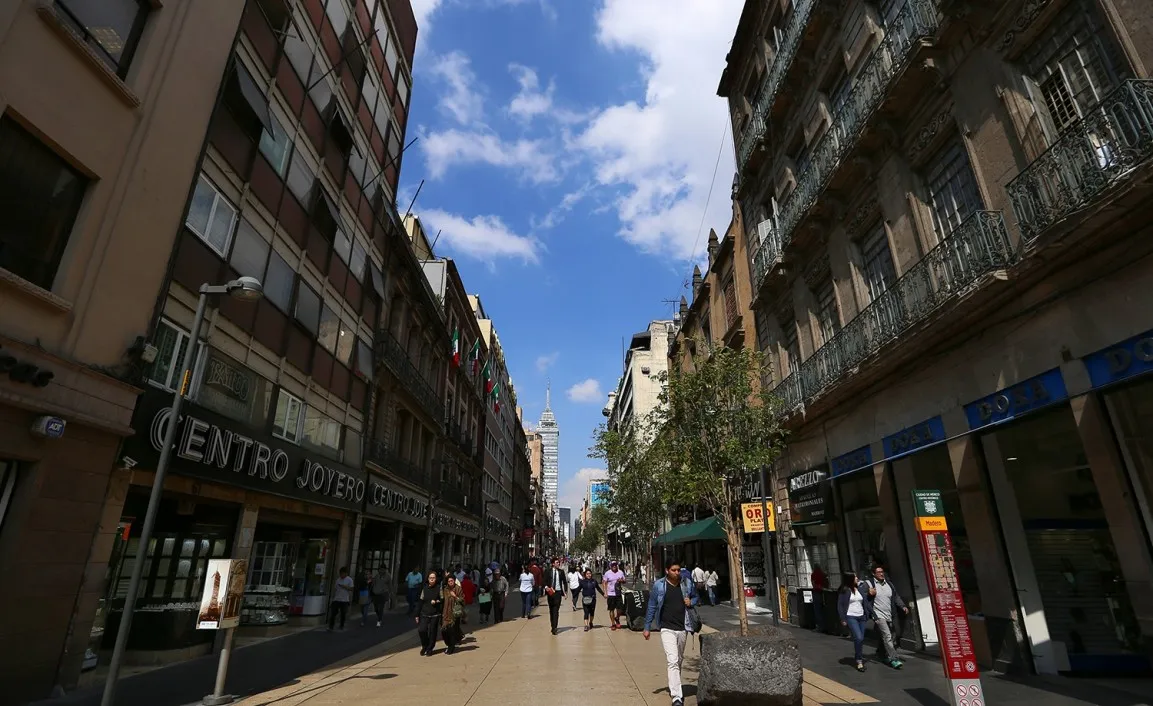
point(396, 358)
point(978, 247)
point(1089, 156)
point(767, 94)
point(382, 454)
point(916, 20)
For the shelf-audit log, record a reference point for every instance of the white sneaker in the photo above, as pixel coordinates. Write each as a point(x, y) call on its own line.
point(378, 623)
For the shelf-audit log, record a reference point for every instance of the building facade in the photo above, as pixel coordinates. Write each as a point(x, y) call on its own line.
point(638, 391)
point(550, 449)
point(947, 220)
point(103, 111)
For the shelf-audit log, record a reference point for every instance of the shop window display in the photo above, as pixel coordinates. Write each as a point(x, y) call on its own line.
point(1087, 606)
point(288, 574)
point(1131, 407)
point(864, 525)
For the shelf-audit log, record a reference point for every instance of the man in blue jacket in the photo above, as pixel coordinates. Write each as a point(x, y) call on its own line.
point(670, 602)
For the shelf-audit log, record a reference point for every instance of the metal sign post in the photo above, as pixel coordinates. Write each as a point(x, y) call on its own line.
point(960, 662)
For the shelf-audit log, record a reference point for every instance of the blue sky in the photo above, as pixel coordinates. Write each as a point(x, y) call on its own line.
point(568, 149)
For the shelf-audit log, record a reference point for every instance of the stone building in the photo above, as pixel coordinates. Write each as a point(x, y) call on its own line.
point(948, 225)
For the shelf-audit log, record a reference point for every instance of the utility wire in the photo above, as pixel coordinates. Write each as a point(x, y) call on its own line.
point(712, 183)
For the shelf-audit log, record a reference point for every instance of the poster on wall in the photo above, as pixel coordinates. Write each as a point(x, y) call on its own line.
point(223, 593)
point(957, 655)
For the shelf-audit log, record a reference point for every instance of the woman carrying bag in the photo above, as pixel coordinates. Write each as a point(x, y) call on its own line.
point(453, 615)
point(588, 589)
point(855, 607)
point(484, 598)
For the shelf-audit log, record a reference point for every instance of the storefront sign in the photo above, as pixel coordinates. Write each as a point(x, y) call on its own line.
point(210, 446)
point(445, 521)
point(751, 513)
point(1026, 396)
point(222, 595)
point(383, 500)
point(927, 433)
point(853, 461)
point(1123, 360)
point(956, 643)
point(810, 497)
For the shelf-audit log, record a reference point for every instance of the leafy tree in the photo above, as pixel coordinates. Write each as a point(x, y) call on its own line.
point(718, 427)
point(592, 536)
point(636, 500)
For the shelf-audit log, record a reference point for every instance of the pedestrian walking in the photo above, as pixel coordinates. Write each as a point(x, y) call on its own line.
point(699, 578)
point(587, 589)
point(555, 588)
point(429, 606)
point(711, 581)
point(413, 582)
point(484, 601)
point(452, 615)
point(611, 585)
point(538, 575)
point(527, 593)
point(855, 606)
point(341, 596)
point(381, 592)
point(820, 585)
point(499, 590)
point(671, 607)
point(574, 582)
point(887, 602)
point(468, 589)
point(364, 596)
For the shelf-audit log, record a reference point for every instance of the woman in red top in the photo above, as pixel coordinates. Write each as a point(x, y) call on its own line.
point(469, 589)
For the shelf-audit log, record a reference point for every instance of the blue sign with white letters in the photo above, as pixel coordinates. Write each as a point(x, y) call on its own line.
point(1011, 402)
point(853, 461)
point(926, 433)
point(54, 428)
point(1123, 360)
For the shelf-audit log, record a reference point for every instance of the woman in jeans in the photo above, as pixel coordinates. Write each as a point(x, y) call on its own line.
point(429, 607)
point(527, 592)
point(855, 608)
point(588, 589)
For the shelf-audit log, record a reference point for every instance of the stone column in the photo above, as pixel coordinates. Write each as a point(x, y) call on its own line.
point(890, 496)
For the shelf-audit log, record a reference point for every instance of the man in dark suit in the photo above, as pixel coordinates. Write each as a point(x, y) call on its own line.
point(556, 584)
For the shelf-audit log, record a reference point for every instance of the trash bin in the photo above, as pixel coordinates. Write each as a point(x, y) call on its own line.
point(805, 616)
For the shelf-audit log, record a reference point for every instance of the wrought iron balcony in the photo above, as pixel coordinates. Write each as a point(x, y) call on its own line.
point(789, 393)
point(1088, 157)
point(767, 93)
point(917, 20)
point(978, 247)
point(396, 358)
point(382, 454)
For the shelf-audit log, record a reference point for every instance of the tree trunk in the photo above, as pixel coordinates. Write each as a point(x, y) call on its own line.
point(737, 572)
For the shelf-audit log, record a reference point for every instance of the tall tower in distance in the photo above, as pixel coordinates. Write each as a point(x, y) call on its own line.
point(550, 446)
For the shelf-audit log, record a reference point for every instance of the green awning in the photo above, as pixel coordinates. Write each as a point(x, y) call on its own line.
point(700, 530)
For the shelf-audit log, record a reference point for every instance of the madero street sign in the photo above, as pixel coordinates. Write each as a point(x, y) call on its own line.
point(952, 619)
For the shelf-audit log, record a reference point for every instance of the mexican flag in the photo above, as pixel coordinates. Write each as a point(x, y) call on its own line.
point(456, 348)
point(474, 356)
point(487, 375)
point(496, 398)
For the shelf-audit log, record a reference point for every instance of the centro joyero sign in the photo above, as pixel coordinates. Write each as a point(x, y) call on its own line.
point(219, 453)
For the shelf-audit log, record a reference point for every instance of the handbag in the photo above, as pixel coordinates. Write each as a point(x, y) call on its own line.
point(695, 624)
point(588, 600)
point(484, 598)
point(364, 598)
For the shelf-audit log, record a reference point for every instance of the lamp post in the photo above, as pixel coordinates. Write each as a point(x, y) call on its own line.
point(770, 560)
point(483, 529)
point(244, 289)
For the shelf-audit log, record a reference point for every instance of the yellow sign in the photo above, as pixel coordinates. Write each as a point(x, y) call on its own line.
point(932, 524)
point(754, 524)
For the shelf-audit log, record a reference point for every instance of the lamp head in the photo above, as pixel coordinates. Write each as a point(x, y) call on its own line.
point(245, 289)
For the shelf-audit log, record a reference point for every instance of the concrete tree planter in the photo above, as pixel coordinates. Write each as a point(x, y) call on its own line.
point(763, 669)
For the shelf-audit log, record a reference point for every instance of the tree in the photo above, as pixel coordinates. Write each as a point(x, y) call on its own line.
point(592, 535)
point(718, 427)
point(636, 500)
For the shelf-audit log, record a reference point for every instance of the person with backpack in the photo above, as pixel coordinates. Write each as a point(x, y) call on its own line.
point(672, 606)
point(887, 605)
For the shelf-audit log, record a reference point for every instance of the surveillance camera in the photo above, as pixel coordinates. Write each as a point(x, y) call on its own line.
point(128, 462)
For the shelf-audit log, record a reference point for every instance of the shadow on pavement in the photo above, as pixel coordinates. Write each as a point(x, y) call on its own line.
point(324, 686)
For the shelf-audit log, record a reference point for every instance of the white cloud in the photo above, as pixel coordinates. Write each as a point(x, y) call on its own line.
point(558, 212)
point(544, 362)
point(460, 100)
point(530, 101)
point(572, 490)
point(660, 152)
point(485, 238)
point(586, 391)
point(455, 147)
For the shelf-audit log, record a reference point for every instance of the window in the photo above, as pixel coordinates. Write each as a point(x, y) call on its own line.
point(792, 349)
point(307, 308)
point(211, 216)
point(299, 53)
point(275, 145)
point(112, 28)
point(393, 147)
point(402, 90)
point(343, 246)
point(42, 196)
point(171, 344)
point(286, 423)
point(952, 189)
point(356, 264)
point(233, 390)
point(827, 316)
point(301, 177)
point(278, 281)
point(249, 252)
point(364, 359)
point(345, 341)
point(337, 15)
point(329, 325)
point(390, 54)
point(377, 280)
point(321, 432)
point(352, 455)
point(878, 262)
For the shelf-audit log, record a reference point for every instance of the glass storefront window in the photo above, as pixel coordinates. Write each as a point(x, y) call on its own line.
point(1131, 407)
point(1087, 606)
point(864, 525)
point(816, 545)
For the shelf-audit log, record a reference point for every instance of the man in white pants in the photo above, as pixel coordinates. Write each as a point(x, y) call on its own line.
point(670, 604)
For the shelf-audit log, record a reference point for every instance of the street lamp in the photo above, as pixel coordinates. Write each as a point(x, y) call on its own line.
point(244, 289)
point(483, 528)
